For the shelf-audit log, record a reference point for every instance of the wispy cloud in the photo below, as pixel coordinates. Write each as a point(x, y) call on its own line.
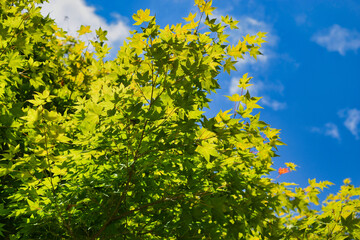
point(274, 104)
point(330, 129)
point(260, 87)
point(71, 14)
point(234, 86)
point(352, 121)
point(338, 39)
point(301, 19)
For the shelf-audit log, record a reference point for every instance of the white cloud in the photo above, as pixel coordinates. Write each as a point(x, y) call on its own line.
point(234, 86)
point(260, 87)
point(352, 121)
point(301, 19)
point(274, 104)
point(330, 129)
point(338, 39)
point(71, 14)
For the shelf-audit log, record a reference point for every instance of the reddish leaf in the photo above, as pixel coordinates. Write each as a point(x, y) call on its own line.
point(283, 171)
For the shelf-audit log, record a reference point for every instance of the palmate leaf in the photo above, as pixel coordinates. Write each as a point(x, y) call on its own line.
point(83, 30)
point(229, 65)
point(33, 205)
point(206, 150)
point(101, 34)
point(235, 97)
point(232, 23)
point(15, 61)
point(244, 82)
point(205, 6)
point(58, 171)
point(236, 51)
point(191, 17)
point(142, 16)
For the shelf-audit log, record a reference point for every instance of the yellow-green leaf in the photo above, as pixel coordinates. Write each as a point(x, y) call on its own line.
point(191, 17)
point(235, 97)
point(142, 16)
point(83, 30)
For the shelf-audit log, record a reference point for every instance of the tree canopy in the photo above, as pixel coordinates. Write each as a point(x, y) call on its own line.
point(92, 148)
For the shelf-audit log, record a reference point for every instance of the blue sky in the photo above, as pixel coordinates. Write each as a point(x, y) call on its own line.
point(309, 75)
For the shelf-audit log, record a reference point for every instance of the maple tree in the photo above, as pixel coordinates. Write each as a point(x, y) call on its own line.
point(121, 149)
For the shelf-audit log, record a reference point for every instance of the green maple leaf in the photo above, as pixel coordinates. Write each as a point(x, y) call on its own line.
point(15, 61)
point(190, 18)
point(229, 65)
point(206, 150)
point(251, 104)
point(235, 97)
point(244, 81)
point(101, 34)
point(142, 16)
point(83, 30)
point(207, 9)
